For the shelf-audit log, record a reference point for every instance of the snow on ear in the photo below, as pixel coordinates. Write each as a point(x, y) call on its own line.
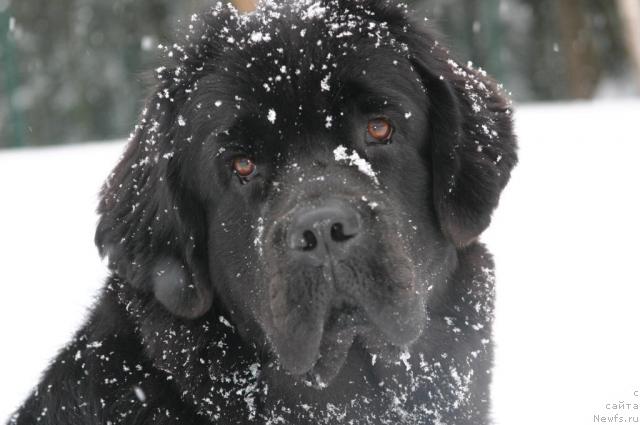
point(151, 228)
point(471, 140)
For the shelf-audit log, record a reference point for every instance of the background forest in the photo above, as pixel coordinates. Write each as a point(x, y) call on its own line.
point(74, 70)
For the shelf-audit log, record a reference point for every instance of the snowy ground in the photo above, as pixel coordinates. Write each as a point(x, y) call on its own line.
point(565, 240)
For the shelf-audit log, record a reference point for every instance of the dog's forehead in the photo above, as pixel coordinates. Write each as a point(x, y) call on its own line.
point(300, 41)
point(285, 62)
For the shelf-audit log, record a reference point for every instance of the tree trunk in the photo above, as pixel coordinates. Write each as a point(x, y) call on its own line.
point(583, 64)
point(630, 15)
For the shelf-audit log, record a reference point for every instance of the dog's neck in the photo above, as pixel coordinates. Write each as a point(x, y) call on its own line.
point(219, 372)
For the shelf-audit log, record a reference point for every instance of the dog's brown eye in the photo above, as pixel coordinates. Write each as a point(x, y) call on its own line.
point(380, 130)
point(244, 167)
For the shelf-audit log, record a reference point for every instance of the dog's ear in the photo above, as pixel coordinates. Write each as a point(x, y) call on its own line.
point(151, 227)
point(471, 142)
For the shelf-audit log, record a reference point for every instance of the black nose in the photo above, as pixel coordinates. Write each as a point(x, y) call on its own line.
point(324, 231)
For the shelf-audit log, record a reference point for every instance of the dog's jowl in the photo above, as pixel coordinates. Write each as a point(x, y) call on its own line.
point(292, 232)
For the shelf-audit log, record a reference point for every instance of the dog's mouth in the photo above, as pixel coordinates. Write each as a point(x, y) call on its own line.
point(315, 312)
point(340, 341)
point(332, 355)
point(315, 351)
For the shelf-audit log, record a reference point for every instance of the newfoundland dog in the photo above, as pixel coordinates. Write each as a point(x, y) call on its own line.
point(292, 232)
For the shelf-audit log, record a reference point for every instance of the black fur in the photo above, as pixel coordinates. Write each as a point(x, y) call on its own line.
point(209, 317)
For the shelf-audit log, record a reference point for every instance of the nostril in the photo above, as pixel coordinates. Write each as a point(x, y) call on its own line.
point(338, 234)
point(317, 231)
point(310, 240)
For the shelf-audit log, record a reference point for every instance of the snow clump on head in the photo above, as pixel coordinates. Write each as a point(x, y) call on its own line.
point(364, 166)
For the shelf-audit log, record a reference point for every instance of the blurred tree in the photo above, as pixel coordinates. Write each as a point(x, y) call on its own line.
point(541, 55)
point(542, 49)
point(7, 60)
point(630, 14)
point(80, 75)
point(583, 63)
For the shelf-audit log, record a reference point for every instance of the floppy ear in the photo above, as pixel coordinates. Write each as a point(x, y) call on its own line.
point(471, 140)
point(151, 227)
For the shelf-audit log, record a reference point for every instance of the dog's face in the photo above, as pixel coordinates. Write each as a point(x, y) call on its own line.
point(320, 228)
point(312, 168)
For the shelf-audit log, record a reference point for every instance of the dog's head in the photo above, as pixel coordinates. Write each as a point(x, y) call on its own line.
point(311, 168)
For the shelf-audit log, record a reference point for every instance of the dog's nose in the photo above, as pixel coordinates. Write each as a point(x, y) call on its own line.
point(323, 231)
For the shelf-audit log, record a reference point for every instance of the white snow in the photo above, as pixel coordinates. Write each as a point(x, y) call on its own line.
point(258, 239)
point(258, 36)
point(314, 11)
point(324, 84)
point(354, 159)
point(49, 267)
point(139, 392)
point(404, 358)
point(271, 116)
point(565, 239)
point(328, 121)
point(225, 322)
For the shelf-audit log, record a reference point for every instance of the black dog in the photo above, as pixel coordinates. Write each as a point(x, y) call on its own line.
point(292, 232)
